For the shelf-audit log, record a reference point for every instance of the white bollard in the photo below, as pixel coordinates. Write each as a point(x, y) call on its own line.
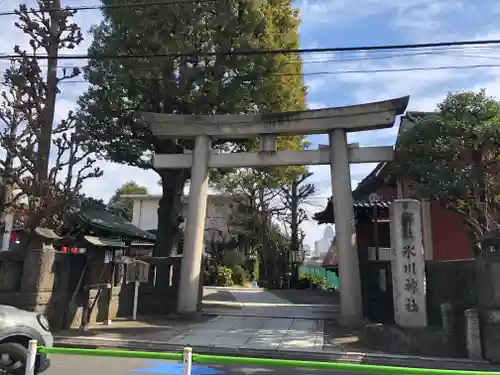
point(187, 360)
point(31, 358)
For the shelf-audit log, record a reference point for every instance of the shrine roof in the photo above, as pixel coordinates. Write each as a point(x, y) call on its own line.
point(327, 217)
point(409, 120)
point(113, 224)
point(105, 242)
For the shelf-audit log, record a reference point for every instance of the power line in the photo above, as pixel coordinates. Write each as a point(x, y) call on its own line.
point(454, 52)
point(393, 47)
point(364, 71)
point(371, 58)
point(112, 6)
point(441, 52)
point(341, 60)
point(414, 69)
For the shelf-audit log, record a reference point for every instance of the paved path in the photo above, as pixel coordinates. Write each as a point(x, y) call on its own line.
point(262, 320)
point(243, 318)
point(262, 303)
point(255, 333)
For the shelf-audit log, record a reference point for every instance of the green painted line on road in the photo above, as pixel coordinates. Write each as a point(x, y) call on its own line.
point(217, 359)
point(246, 361)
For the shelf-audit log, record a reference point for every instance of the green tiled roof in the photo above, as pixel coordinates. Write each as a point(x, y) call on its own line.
point(106, 221)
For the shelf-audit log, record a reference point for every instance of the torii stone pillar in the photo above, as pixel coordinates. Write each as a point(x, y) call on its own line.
point(335, 122)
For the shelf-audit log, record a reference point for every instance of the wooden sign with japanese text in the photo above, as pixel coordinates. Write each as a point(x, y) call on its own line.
point(408, 264)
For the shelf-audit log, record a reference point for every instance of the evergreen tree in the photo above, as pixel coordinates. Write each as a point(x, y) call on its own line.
point(195, 84)
point(452, 156)
point(125, 206)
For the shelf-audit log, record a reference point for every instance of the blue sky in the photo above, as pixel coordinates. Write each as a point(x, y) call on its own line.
point(337, 23)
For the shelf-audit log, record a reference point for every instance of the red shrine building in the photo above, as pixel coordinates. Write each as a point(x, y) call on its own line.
point(444, 234)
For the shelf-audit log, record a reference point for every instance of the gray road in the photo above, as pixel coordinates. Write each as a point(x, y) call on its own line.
point(79, 365)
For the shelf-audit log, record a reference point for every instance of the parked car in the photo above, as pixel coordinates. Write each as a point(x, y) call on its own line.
point(17, 328)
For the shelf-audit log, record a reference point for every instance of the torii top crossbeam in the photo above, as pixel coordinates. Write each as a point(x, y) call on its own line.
point(368, 116)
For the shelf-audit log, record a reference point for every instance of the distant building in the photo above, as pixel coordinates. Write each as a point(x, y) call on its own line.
point(220, 209)
point(328, 234)
point(306, 251)
point(317, 248)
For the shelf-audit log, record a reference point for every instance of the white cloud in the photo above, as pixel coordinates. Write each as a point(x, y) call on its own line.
point(316, 105)
point(421, 14)
point(415, 21)
point(409, 20)
point(115, 175)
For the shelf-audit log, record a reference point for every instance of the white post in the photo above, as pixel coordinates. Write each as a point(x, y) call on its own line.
point(408, 264)
point(31, 358)
point(136, 298)
point(351, 305)
point(195, 226)
point(9, 219)
point(187, 361)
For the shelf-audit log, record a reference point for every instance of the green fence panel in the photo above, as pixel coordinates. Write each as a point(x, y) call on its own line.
point(332, 279)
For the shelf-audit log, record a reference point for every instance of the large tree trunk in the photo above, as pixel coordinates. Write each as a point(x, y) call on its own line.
point(169, 211)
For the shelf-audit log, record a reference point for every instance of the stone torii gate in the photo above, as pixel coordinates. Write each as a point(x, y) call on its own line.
point(336, 122)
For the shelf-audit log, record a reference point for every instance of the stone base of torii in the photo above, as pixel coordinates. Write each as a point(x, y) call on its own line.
point(336, 122)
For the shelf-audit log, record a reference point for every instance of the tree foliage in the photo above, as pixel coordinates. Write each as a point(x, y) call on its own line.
point(263, 200)
point(50, 181)
point(453, 156)
point(294, 194)
point(191, 84)
point(254, 193)
point(125, 206)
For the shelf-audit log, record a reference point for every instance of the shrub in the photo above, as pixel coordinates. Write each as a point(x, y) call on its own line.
point(240, 276)
point(317, 282)
point(209, 277)
point(251, 267)
point(224, 276)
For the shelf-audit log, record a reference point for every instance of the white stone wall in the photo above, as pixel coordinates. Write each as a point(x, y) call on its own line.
point(219, 211)
point(145, 213)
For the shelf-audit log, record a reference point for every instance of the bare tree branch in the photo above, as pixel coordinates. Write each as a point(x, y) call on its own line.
point(27, 108)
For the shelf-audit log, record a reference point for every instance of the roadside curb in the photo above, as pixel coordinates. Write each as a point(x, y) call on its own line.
point(342, 357)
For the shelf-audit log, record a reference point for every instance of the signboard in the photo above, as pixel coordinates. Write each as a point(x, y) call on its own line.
point(408, 264)
point(108, 256)
point(137, 270)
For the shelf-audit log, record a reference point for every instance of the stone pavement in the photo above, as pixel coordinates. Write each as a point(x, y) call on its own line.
point(257, 302)
point(262, 321)
point(263, 333)
point(238, 318)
